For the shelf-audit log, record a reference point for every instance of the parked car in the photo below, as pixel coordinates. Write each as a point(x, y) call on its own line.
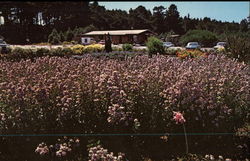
point(87, 40)
point(3, 47)
point(220, 45)
point(168, 44)
point(193, 45)
point(3, 43)
point(102, 42)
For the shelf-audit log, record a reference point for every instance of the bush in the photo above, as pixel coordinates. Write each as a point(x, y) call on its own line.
point(54, 38)
point(56, 52)
point(7, 50)
point(93, 48)
point(190, 54)
point(73, 42)
point(77, 49)
point(169, 51)
point(155, 46)
point(127, 47)
point(206, 38)
point(42, 52)
point(238, 46)
point(67, 52)
point(81, 49)
point(117, 49)
point(22, 53)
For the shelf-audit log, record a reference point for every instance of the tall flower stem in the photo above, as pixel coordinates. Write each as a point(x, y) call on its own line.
point(185, 138)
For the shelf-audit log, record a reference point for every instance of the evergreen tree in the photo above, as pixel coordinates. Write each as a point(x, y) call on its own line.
point(172, 19)
point(54, 37)
point(69, 35)
point(158, 19)
point(244, 25)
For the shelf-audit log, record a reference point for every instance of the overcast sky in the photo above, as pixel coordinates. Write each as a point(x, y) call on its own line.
point(224, 11)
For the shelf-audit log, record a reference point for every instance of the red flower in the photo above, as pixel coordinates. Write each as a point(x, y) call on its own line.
point(178, 117)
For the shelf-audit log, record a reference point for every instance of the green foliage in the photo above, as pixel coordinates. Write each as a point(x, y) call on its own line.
point(155, 46)
point(127, 47)
point(173, 21)
point(238, 46)
point(116, 49)
point(62, 36)
point(42, 52)
point(6, 50)
point(169, 51)
point(78, 49)
point(84, 17)
point(56, 52)
point(54, 38)
point(22, 53)
point(159, 19)
point(206, 38)
point(69, 35)
point(67, 51)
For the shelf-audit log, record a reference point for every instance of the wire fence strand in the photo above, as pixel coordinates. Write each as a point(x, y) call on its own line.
point(123, 134)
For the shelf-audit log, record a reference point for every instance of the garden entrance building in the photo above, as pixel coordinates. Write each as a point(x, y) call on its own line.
point(121, 36)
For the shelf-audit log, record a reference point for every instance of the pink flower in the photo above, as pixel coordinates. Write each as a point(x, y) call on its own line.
point(178, 117)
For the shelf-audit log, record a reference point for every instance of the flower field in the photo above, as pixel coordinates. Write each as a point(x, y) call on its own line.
point(141, 95)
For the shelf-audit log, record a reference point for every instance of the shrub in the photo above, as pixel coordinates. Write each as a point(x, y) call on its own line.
point(93, 48)
point(190, 54)
point(73, 42)
point(67, 51)
point(54, 38)
point(127, 47)
point(117, 49)
point(69, 35)
point(56, 52)
point(42, 52)
point(78, 49)
point(7, 50)
point(81, 49)
point(155, 46)
point(170, 51)
point(22, 53)
point(238, 46)
point(204, 37)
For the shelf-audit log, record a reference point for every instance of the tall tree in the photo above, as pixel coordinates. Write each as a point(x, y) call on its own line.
point(140, 18)
point(172, 20)
point(243, 25)
point(158, 19)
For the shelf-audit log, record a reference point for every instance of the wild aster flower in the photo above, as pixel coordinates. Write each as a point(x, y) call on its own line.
point(178, 118)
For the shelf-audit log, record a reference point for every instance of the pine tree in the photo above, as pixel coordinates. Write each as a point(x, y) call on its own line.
point(54, 37)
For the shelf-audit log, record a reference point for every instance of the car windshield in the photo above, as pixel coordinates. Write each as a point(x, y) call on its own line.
point(167, 43)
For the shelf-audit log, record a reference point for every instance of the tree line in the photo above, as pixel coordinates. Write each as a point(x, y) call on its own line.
point(33, 22)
